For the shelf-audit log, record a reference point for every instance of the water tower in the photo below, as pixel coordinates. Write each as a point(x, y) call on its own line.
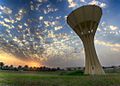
point(84, 21)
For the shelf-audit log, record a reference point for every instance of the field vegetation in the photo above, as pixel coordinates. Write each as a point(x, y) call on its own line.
point(57, 78)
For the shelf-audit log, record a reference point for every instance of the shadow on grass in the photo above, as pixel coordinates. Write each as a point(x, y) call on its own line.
point(73, 73)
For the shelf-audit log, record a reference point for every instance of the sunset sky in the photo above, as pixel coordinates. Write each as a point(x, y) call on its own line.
point(35, 32)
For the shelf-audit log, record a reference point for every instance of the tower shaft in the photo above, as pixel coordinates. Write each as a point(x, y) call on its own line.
point(92, 64)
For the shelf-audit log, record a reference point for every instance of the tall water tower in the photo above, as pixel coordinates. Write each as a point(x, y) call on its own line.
point(84, 21)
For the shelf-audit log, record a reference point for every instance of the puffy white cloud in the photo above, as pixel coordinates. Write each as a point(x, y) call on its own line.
point(101, 4)
point(49, 9)
point(6, 25)
point(42, 1)
point(5, 10)
point(58, 27)
point(20, 26)
point(41, 18)
point(47, 23)
point(20, 14)
point(72, 3)
point(82, 1)
point(9, 20)
point(51, 34)
point(112, 27)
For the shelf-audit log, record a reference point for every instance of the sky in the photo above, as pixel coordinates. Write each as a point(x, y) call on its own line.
point(35, 33)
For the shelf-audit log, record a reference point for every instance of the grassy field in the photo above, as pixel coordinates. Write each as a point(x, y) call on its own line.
point(56, 79)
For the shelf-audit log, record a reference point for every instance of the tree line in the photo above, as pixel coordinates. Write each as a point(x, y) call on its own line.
point(26, 68)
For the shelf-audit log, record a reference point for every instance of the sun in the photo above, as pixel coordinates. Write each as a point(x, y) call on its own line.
point(34, 64)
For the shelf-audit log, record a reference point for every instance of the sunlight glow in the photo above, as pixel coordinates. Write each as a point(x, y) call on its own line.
point(10, 59)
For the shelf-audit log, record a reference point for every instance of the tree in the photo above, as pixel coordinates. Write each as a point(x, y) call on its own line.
point(20, 68)
point(11, 67)
point(26, 67)
point(1, 65)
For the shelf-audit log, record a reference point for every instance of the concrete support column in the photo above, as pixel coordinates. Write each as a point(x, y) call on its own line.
point(92, 64)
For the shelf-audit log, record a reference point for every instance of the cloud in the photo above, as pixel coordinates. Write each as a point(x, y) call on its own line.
point(58, 27)
point(6, 25)
point(113, 46)
point(9, 20)
point(10, 59)
point(72, 3)
point(108, 53)
point(5, 9)
point(112, 27)
point(20, 14)
point(116, 49)
point(82, 1)
point(42, 1)
point(106, 43)
point(101, 4)
point(41, 18)
point(108, 32)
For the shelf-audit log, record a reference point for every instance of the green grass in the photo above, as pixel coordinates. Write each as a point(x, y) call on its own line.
point(56, 79)
point(72, 73)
